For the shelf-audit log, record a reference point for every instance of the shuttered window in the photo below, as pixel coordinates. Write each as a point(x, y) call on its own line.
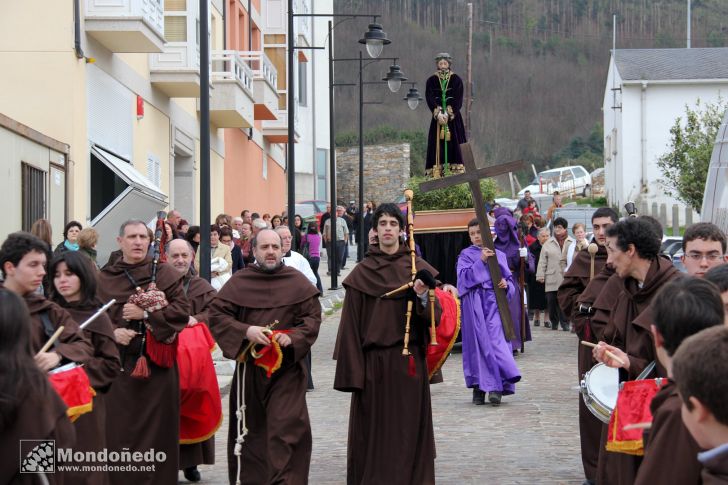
point(154, 169)
point(33, 194)
point(175, 28)
point(175, 5)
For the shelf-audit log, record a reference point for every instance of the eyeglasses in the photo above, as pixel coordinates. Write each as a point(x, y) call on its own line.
point(713, 256)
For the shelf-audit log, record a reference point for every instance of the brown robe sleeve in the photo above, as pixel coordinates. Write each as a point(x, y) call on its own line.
point(174, 317)
point(72, 345)
point(306, 329)
point(348, 352)
point(229, 333)
point(200, 299)
point(671, 454)
point(105, 366)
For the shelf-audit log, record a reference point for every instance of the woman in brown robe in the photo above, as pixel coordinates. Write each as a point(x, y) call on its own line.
point(73, 286)
point(29, 408)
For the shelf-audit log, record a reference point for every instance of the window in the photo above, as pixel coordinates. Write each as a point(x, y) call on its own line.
point(33, 194)
point(302, 84)
point(579, 172)
point(175, 20)
point(154, 170)
point(321, 156)
point(265, 166)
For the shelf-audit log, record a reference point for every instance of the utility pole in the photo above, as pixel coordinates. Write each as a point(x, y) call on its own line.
point(689, 15)
point(469, 75)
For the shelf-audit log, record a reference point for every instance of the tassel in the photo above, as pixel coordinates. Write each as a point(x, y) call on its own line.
point(447, 135)
point(411, 368)
point(164, 355)
point(141, 369)
point(442, 134)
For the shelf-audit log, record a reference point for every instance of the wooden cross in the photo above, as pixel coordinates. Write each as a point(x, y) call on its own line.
point(472, 176)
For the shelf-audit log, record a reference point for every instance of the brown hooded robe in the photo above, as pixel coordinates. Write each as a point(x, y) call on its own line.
point(101, 370)
point(391, 438)
point(629, 330)
point(200, 294)
point(571, 293)
point(277, 448)
point(144, 413)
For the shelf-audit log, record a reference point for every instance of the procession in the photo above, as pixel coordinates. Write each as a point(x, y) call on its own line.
point(192, 291)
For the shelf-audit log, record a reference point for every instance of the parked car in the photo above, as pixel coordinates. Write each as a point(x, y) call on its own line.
point(574, 214)
point(568, 181)
point(311, 210)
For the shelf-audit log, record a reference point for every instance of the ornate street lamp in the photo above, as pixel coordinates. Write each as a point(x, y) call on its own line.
point(413, 97)
point(375, 39)
point(394, 78)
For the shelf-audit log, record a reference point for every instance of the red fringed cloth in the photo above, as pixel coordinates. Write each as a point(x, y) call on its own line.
point(633, 406)
point(269, 357)
point(75, 389)
point(447, 331)
point(163, 354)
point(200, 403)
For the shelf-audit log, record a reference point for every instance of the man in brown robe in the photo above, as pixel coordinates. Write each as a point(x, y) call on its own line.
point(23, 260)
point(200, 294)
point(391, 438)
point(633, 247)
point(143, 413)
point(684, 307)
point(576, 280)
point(271, 442)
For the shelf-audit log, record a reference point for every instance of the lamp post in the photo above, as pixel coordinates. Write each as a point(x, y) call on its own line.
point(375, 39)
point(205, 205)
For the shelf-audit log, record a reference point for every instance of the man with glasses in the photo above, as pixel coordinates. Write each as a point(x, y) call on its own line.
point(704, 247)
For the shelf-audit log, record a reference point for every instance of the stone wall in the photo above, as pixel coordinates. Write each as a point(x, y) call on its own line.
point(386, 169)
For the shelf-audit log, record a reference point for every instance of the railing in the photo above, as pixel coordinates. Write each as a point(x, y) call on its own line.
point(262, 67)
point(152, 11)
point(228, 65)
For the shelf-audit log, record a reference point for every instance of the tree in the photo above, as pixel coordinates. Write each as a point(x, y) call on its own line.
point(685, 166)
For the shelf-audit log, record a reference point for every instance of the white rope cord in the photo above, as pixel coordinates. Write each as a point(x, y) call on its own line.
point(240, 415)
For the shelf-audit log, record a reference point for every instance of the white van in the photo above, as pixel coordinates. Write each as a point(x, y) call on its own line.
point(569, 181)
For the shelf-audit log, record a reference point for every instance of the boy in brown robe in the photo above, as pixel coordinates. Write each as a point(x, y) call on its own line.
point(23, 259)
point(277, 446)
point(701, 374)
point(200, 294)
point(391, 438)
point(682, 308)
point(633, 247)
point(576, 280)
point(143, 413)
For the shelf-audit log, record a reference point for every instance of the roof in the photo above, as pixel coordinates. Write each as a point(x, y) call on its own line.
point(672, 64)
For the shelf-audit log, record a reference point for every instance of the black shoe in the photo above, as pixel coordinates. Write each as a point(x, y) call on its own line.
point(555, 327)
point(565, 328)
point(192, 474)
point(478, 396)
point(547, 324)
point(495, 398)
point(536, 323)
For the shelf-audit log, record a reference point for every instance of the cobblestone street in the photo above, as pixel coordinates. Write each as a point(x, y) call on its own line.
point(531, 438)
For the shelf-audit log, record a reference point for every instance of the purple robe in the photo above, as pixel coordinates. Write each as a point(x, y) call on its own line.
point(506, 231)
point(487, 356)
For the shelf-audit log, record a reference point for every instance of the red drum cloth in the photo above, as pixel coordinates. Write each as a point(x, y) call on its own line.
point(75, 389)
point(270, 357)
point(633, 406)
point(447, 331)
point(200, 402)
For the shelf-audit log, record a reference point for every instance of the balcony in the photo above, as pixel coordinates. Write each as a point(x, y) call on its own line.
point(265, 81)
point(126, 25)
point(276, 131)
point(231, 105)
point(176, 70)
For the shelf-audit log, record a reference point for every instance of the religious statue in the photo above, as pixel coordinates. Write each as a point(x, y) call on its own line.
point(444, 94)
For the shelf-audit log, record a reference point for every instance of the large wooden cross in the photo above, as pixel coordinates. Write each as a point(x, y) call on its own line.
point(472, 176)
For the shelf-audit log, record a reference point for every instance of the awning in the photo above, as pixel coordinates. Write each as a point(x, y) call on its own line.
point(139, 199)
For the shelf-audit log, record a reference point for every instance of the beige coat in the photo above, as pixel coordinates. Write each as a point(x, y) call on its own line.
point(221, 251)
point(552, 263)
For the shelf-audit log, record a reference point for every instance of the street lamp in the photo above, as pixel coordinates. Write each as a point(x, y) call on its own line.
point(413, 97)
point(394, 78)
point(375, 39)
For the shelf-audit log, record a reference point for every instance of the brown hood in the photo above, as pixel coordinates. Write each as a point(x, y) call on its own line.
point(380, 272)
point(115, 284)
point(252, 287)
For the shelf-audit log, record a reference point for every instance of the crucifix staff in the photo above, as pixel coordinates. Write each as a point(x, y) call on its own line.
point(472, 176)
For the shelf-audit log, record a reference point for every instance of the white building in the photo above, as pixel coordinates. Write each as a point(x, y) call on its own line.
point(646, 91)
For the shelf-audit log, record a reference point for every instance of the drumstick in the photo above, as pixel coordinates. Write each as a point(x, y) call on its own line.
point(53, 338)
point(609, 354)
point(644, 425)
point(96, 315)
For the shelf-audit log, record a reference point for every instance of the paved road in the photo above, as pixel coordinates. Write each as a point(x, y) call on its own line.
point(531, 438)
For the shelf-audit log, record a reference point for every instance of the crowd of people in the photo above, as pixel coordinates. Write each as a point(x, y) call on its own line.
point(262, 309)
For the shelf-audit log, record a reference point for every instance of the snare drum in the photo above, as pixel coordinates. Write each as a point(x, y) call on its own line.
point(599, 388)
point(71, 383)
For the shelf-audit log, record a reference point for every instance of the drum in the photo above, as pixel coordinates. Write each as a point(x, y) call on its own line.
point(599, 389)
point(71, 383)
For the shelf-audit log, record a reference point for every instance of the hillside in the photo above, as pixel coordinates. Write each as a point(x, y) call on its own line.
point(539, 66)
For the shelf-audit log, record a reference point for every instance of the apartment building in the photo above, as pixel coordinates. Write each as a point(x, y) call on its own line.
point(99, 112)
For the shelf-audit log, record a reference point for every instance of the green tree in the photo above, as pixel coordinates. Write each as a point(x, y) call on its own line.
point(685, 166)
point(455, 197)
